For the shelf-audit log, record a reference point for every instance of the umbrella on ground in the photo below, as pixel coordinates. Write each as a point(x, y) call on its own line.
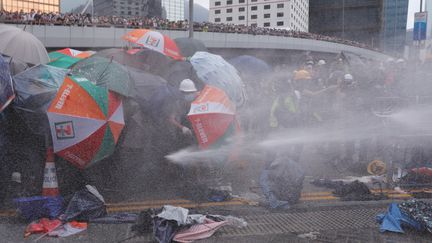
point(66, 58)
point(155, 41)
point(22, 45)
point(250, 66)
point(214, 70)
point(85, 121)
point(212, 115)
point(189, 46)
point(35, 89)
point(6, 87)
point(107, 73)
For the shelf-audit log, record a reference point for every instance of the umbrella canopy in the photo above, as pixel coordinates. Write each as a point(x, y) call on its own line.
point(85, 121)
point(250, 66)
point(107, 73)
point(215, 71)
point(7, 93)
point(189, 46)
point(212, 115)
point(66, 58)
point(22, 45)
point(155, 41)
point(35, 89)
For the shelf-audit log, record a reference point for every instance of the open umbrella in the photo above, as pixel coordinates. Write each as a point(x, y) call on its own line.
point(155, 41)
point(85, 121)
point(189, 46)
point(35, 89)
point(107, 73)
point(6, 87)
point(22, 45)
point(66, 58)
point(212, 115)
point(250, 66)
point(215, 71)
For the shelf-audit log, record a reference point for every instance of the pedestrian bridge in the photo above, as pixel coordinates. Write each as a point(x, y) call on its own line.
point(108, 37)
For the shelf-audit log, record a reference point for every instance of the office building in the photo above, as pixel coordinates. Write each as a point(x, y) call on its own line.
point(27, 6)
point(173, 9)
point(127, 8)
point(377, 23)
point(288, 14)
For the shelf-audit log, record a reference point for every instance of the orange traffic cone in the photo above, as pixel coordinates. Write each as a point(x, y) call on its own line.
point(50, 184)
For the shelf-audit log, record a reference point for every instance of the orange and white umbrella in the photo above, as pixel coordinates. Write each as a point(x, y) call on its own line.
point(213, 117)
point(155, 41)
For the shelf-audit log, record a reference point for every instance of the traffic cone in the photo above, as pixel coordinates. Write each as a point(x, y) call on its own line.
point(50, 184)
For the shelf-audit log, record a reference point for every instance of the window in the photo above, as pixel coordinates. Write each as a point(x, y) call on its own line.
point(241, 9)
point(254, 25)
point(280, 14)
point(267, 6)
point(229, 10)
point(253, 1)
point(267, 24)
point(229, 2)
point(280, 5)
point(266, 16)
point(241, 1)
point(217, 20)
point(217, 11)
point(241, 18)
point(254, 16)
point(254, 8)
point(217, 3)
point(280, 23)
point(228, 18)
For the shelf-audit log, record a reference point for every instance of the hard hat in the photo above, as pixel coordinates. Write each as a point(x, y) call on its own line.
point(400, 60)
point(310, 62)
point(348, 77)
point(321, 62)
point(302, 75)
point(376, 167)
point(187, 85)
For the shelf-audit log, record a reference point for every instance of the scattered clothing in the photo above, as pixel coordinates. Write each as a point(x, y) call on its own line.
point(354, 191)
point(43, 225)
point(120, 218)
point(394, 220)
point(164, 230)
point(419, 211)
point(198, 231)
point(68, 229)
point(177, 214)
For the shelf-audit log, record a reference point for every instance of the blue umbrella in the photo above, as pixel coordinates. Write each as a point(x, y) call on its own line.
point(7, 93)
point(250, 66)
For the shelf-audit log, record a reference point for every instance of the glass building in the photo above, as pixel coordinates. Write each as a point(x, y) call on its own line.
point(27, 6)
point(393, 32)
point(127, 8)
point(173, 9)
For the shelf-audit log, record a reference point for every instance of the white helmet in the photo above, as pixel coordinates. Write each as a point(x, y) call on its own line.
point(321, 62)
point(187, 85)
point(348, 77)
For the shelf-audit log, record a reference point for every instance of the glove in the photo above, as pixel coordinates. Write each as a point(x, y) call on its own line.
point(186, 131)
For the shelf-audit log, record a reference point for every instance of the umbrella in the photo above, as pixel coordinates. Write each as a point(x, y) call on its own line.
point(250, 66)
point(6, 87)
point(35, 89)
point(66, 58)
point(214, 70)
point(85, 121)
point(105, 73)
point(189, 46)
point(212, 115)
point(155, 41)
point(22, 45)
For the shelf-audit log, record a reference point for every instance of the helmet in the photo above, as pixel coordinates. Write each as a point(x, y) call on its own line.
point(321, 62)
point(376, 167)
point(400, 60)
point(348, 77)
point(310, 62)
point(302, 75)
point(187, 85)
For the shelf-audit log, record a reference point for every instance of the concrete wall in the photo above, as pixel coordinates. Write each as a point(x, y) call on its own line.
point(98, 37)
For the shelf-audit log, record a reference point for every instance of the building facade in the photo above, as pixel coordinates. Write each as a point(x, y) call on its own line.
point(173, 9)
point(287, 14)
point(377, 23)
point(28, 5)
point(127, 8)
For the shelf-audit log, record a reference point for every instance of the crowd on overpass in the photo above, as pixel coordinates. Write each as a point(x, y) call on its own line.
point(75, 19)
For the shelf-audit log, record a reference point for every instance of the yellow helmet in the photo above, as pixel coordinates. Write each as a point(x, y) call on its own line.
point(302, 75)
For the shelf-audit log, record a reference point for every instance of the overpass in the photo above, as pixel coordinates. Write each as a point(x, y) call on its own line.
point(108, 37)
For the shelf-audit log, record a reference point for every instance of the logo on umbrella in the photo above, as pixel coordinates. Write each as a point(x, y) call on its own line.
point(152, 41)
point(64, 130)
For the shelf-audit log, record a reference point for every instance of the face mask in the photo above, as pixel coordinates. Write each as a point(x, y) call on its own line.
point(189, 97)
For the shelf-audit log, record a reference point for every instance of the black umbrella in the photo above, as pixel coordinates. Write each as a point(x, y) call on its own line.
point(188, 46)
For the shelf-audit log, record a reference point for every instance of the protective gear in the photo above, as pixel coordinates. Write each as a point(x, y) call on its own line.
point(321, 62)
point(310, 62)
point(187, 85)
point(190, 97)
point(186, 131)
point(348, 77)
point(302, 75)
